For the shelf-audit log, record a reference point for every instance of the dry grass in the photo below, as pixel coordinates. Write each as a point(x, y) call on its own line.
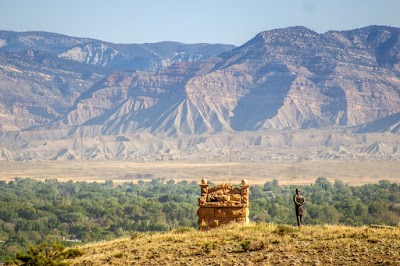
point(256, 244)
point(257, 172)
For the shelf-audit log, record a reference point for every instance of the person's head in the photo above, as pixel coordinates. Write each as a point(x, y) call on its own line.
point(297, 191)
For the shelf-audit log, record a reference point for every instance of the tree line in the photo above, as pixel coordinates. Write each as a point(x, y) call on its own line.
point(33, 212)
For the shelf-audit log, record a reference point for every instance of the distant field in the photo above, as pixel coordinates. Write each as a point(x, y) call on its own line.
point(257, 172)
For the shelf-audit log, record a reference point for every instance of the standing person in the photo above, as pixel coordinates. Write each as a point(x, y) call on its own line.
point(299, 202)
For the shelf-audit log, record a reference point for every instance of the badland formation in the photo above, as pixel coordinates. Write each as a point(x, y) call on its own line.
point(286, 93)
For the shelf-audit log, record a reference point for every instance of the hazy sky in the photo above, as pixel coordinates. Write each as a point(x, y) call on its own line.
point(191, 21)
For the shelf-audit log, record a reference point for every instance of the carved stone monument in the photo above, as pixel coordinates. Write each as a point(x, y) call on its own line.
point(223, 204)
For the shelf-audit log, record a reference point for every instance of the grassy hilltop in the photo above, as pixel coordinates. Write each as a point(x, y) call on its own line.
point(256, 244)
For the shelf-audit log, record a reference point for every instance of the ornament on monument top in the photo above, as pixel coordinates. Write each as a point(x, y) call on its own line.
point(204, 181)
point(244, 182)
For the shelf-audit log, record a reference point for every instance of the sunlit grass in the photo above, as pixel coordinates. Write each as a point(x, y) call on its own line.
point(256, 244)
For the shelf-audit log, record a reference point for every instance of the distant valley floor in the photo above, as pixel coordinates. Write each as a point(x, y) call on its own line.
point(354, 172)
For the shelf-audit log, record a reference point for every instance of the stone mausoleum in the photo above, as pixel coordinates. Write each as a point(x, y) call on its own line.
point(223, 204)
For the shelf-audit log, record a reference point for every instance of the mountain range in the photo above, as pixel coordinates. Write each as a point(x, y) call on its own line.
point(286, 93)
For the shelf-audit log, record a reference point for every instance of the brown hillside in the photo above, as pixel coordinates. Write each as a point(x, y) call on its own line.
point(256, 244)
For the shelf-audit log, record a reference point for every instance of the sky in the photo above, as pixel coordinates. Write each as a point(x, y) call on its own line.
point(191, 21)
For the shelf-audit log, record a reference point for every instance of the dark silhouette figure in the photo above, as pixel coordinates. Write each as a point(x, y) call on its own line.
point(299, 202)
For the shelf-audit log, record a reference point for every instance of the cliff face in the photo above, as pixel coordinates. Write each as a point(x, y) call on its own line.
point(283, 79)
point(43, 74)
point(342, 87)
point(36, 87)
point(315, 80)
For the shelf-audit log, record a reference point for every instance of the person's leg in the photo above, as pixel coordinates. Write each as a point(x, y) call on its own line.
point(301, 220)
point(298, 220)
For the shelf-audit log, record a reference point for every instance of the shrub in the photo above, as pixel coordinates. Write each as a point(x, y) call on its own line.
point(209, 246)
point(245, 245)
point(285, 230)
point(255, 245)
point(45, 255)
point(119, 255)
point(185, 229)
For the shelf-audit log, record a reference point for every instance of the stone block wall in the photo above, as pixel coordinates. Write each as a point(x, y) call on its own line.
point(223, 204)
